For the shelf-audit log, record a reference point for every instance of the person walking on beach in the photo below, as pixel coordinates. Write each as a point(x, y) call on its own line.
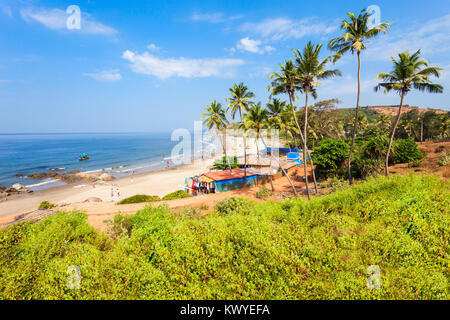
point(112, 193)
point(118, 193)
point(168, 164)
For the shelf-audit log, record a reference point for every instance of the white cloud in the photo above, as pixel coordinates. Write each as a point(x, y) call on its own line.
point(284, 28)
point(213, 17)
point(345, 85)
point(260, 71)
point(431, 37)
point(246, 44)
point(55, 19)
point(153, 47)
point(105, 76)
point(149, 64)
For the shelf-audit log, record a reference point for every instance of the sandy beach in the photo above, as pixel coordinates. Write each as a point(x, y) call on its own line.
point(158, 182)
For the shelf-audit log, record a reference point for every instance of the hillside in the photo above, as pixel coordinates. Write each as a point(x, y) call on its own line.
point(293, 249)
point(392, 110)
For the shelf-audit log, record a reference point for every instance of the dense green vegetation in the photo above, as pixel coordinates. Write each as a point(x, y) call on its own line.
point(293, 249)
point(330, 155)
point(180, 194)
point(306, 126)
point(139, 198)
point(264, 192)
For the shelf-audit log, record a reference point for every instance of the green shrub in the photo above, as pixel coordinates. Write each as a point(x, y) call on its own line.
point(233, 205)
point(139, 198)
point(444, 158)
point(264, 193)
point(45, 205)
point(415, 164)
point(329, 156)
point(405, 151)
point(120, 225)
point(180, 194)
point(369, 157)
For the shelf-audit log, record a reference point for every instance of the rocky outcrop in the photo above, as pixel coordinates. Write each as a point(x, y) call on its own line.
point(106, 177)
point(20, 188)
point(93, 200)
point(2, 188)
point(73, 177)
point(42, 175)
point(16, 189)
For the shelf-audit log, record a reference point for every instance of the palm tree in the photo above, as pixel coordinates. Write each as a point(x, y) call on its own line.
point(356, 33)
point(240, 99)
point(310, 69)
point(276, 108)
point(286, 82)
point(257, 119)
point(410, 72)
point(216, 118)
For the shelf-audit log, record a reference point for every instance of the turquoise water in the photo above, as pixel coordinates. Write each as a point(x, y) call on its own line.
point(120, 153)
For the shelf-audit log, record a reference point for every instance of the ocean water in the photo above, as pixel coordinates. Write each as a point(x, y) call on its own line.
point(118, 153)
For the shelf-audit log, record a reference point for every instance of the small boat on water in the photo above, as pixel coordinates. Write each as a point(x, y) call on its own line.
point(83, 157)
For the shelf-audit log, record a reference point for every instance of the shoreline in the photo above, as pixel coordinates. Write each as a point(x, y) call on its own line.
point(155, 182)
point(159, 182)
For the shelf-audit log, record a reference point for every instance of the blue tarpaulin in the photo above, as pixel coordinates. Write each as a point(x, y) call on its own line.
point(282, 149)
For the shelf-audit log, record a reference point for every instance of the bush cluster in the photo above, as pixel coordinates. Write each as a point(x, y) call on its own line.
point(45, 205)
point(180, 194)
point(264, 192)
point(139, 198)
point(291, 249)
point(233, 205)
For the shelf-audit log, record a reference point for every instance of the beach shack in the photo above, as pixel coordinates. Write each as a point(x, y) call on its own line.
point(226, 180)
point(220, 181)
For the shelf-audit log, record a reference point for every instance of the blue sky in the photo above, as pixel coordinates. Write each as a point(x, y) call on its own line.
point(154, 65)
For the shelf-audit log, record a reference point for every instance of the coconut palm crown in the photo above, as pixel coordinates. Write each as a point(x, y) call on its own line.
point(356, 32)
point(310, 68)
point(215, 116)
point(240, 100)
point(410, 72)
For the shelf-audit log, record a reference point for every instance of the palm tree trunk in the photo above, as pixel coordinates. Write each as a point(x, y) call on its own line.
point(355, 125)
point(311, 161)
point(225, 150)
point(245, 158)
point(305, 141)
point(421, 129)
point(282, 169)
point(399, 114)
